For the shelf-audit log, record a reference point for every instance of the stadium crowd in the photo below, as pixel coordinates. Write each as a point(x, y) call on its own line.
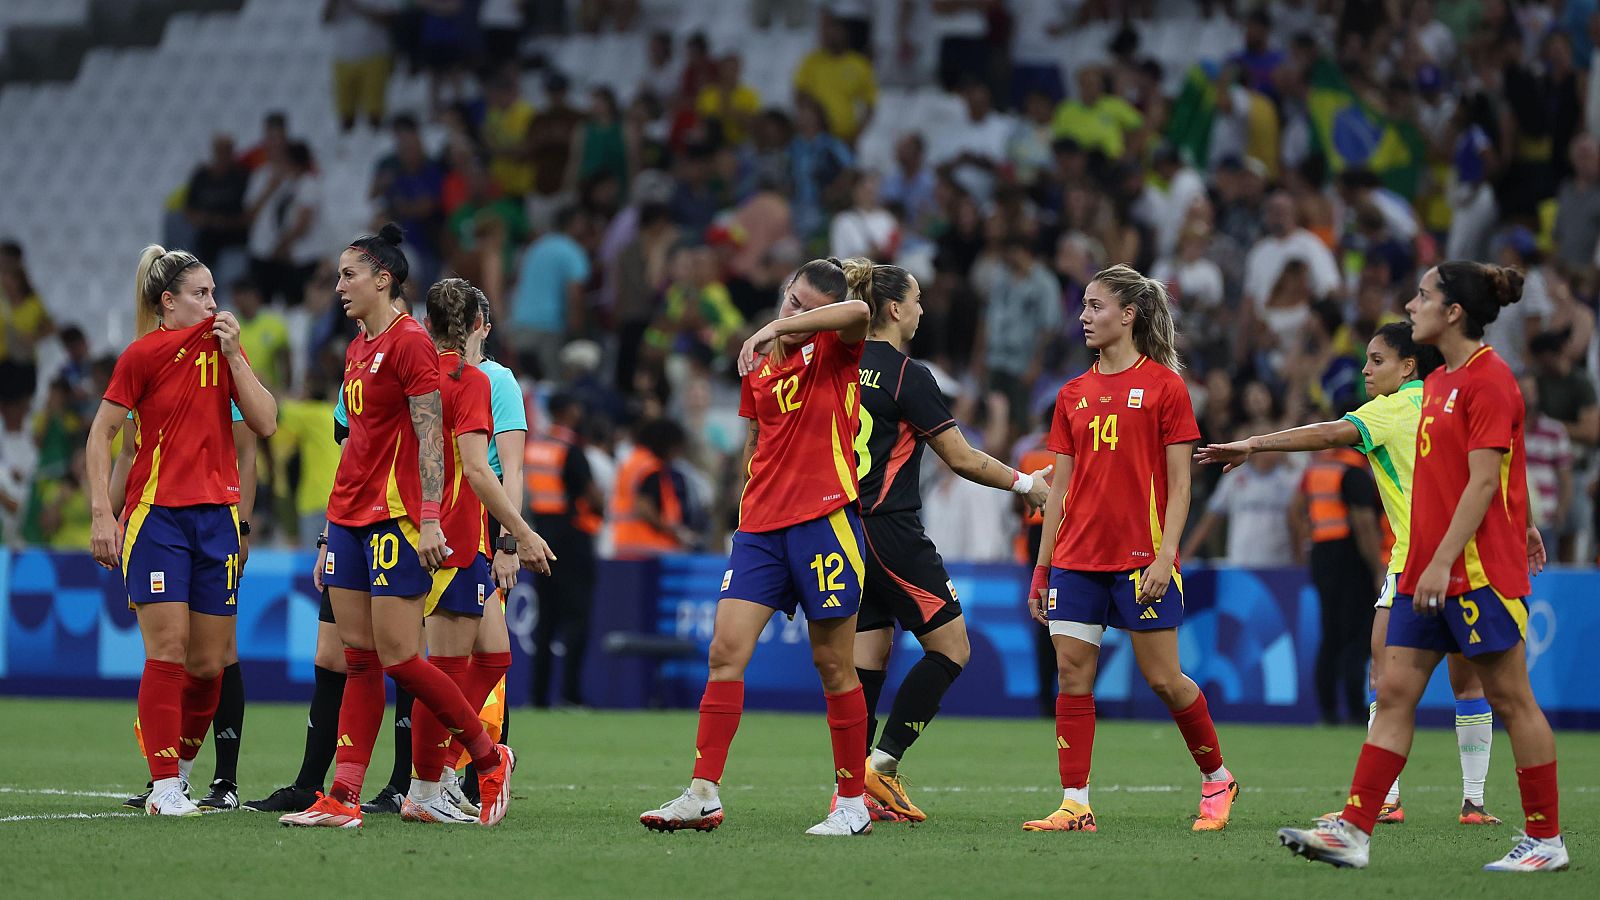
point(1290, 191)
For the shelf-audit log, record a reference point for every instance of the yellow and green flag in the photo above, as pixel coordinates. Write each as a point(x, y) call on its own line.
point(1352, 135)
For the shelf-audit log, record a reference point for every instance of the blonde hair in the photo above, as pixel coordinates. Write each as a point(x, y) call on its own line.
point(452, 310)
point(160, 271)
point(1154, 333)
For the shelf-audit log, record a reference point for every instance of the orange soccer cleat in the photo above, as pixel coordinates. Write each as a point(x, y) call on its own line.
point(494, 788)
point(1072, 816)
point(1216, 804)
point(1475, 814)
point(325, 813)
point(890, 791)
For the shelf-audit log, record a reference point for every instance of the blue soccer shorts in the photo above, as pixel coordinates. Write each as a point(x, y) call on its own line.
point(378, 559)
point(183, 554)
point(816, 566)
point(462, 590)
point(1473, 623)
point(1084, 604)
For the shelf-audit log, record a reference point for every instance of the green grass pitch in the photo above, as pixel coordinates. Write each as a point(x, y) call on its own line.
point(583, 778)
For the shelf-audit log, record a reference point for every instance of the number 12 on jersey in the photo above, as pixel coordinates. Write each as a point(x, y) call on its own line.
point(1104, 431)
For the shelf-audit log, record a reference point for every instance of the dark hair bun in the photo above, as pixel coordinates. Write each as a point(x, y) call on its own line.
point(1507, 284)
point(392, 233)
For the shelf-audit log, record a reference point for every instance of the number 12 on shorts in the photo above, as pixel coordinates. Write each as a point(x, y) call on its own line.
point(829, 570)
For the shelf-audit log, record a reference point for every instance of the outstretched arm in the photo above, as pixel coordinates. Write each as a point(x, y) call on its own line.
point(1321, 436)
point(980, 468)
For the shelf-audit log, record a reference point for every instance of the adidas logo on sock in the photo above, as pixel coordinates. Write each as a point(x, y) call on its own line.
point(344, 741)
point(168, 753)
point(228, 734)
point(1061, 743)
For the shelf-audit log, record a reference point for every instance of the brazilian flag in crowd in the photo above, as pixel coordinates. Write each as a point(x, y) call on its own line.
point(1353, 135)
point(1349, 133)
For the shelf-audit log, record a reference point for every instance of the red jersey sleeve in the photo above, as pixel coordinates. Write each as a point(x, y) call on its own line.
point(128, 378)
point(416, 363)
point(1178, 425)
point(471, 412)
point(1491, 418)
point(747, 399)
point(1060, 429)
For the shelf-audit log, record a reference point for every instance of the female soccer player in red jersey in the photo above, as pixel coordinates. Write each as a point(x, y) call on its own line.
point(902, 410)
point(1122, 436)
point(799, 541)
point(1466, 573)
point(384, 536)
point(462, 600)
point(177, 539)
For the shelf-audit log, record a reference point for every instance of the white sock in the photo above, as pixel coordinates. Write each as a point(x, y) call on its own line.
point(704, 790)
point(883, 762)
point(1076, 795)
point(1221, 774)
point(185, 766)
point(423, 790)
point(162, 784)
point(1394, 789)
point(857, 804)
point(1474, 736)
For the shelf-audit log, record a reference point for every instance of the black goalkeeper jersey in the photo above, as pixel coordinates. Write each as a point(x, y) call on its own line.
point(901, 408)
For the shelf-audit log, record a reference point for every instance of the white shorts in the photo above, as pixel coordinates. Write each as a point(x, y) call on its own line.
point(1386, 597)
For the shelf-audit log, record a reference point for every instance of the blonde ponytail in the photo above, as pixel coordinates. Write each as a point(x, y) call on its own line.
point(160, 271)
point(1154, 333)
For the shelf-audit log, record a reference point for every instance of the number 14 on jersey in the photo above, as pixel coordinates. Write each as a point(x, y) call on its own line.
point(1103, 430)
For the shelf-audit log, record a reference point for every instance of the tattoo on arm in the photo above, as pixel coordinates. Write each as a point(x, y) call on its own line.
point(427, 413)
point(1272, 442)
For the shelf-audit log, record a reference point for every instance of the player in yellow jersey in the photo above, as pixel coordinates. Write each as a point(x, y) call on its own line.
point(1385, 429)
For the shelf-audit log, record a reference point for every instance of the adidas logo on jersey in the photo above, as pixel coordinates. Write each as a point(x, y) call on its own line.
point(182, 352)
point(1083, 403)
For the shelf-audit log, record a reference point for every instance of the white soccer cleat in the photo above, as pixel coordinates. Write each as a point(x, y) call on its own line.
point(844, 821)
point(1333, 841)
point(686, 811)
point(1533, 854)
point(172, 800)
point(325, 813)
point(450, 787)
point(436, 810)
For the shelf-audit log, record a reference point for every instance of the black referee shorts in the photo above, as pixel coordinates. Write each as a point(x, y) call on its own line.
point(906, 580)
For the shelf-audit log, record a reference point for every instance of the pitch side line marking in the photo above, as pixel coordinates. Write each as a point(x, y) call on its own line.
point(104, 815)
point(60, 792)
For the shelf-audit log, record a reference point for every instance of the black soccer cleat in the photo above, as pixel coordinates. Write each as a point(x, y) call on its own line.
point(137, 801)
point(291, 799)
point(222, 797)
point(388, 800)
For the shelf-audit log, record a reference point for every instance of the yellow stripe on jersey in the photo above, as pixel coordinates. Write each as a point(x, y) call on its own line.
point(1505, 480)
point(840, 522)
point(152, 478)
point(845, 470)
point(396, 504)
point(455, 468)
point(1476, 576)
point(1155, 521)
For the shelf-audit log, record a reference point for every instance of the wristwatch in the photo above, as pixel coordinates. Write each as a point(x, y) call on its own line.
point(505, 543)
point(322, 540)
point(244, 528)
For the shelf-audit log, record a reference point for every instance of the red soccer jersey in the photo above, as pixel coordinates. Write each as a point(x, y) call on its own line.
point(1475, 407)
point(179, 387)
point(466, 409)
point(806, 408)
point(378, 476)
point(1117, 429)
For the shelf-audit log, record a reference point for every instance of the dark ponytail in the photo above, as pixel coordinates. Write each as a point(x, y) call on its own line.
point(1398, 336)
point(452, 308)
point(875, 285)
point(826, 276)
point(1480, 290)
point(382, 252)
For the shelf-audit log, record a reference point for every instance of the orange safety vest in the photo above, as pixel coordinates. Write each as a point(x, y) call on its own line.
point(1031, 461)
point(543, 461)
point(1330, 517)
point(634, 538)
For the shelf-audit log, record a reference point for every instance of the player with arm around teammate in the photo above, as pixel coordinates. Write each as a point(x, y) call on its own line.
point(799, 542)
point(1385, 429)
point(902, 411)
point(176, 537)
point(1122, 435)
point(1466, 573)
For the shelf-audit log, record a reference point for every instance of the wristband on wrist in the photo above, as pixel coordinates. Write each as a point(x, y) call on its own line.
point(430, 510)
point(244, 528)
point(1022, 483)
